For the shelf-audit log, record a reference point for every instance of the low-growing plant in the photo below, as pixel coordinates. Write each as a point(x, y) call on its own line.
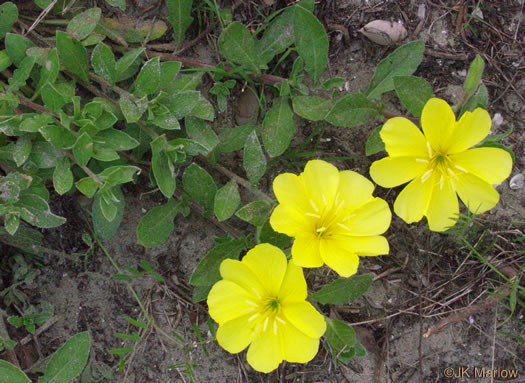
point(141, 115)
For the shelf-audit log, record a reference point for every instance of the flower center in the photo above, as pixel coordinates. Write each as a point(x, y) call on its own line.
point(266, 314)
point(440, 164)
point(326, 218)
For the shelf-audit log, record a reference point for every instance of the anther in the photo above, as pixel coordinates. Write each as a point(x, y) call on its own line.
point(274, 327)
point(313, 215)
point(265, 324)
point(253, 317)
point(343, 226)
point(426, 176)
point(441, 181)
point(314, 206)
point(256, 293)
point(422, 160)
point(325, 201)
point(429, 148)
point(460, 168)
point(279, 320)
point(248, 302)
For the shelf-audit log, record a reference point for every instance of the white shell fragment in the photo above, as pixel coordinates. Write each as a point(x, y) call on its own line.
point(497, 120)
point(384, 32)
point(516, 182)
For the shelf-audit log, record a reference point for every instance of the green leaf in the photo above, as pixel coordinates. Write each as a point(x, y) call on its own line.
point(237, 45)
point(130, 109)
point(413, 92)
point(227, 200)
point(179, 17)
point(200, 131)
point(21, 74)
point(22, 150)
point(181, 104)
point(115, 139)
point(341, 339)
point(12, 374)
point(117, 3)
point(148, 80)
point(83, 149)
point(103, 62)
point(374, 143)
point(164, 173)
point(474, 74)
point(73, 55)
point(107, 204)
point(311, 41)
point(478, 99)
point(344, 290)
point(52, 98)
point(265, 234)
point(198, 183)
point(68, 361)
point(45, 155)
point(35, 210)
point(312, 108)
point(156, 226)
point(12, 222)
point(5, 61)
point(8, 17)
point(278, 127)
point(58, 136)
point(254, 161)
point(207, 271)
point(203, 109)
point(255, 213)
point(200, 293)
point(87, 186)
point(168, 72)
point(278, 36)
point(126, 61)
point(352, 110)
point(401, 62)
point(233, 139)
point(62, 176)
point(333, 83)
point(16, 46)
point(84, 23)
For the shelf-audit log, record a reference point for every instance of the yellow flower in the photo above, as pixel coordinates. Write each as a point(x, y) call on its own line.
point(439, 164)
point(332, 215)
point(261, 302)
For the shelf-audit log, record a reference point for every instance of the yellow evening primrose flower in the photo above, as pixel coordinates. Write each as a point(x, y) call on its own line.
point(332, 215)
point(441, 164)
point(261, 303)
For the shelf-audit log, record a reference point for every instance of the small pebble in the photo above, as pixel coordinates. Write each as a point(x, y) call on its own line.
point(497, 120)
point(516, 182)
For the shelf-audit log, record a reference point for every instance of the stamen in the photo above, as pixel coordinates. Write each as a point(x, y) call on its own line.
point(441, 180)
point(253, 317)
point(257, 328)
point(321, 229)
point(325, 201)
point(336, 199)
point(314, 206)
point(265, 324)
point(274, 327)
point(249, 309)
point(348, 217)
point(313, 215)
point(422, 160)
point(453, 185)
point(340, 205)
point(429, 148)
point(426, 176)
point(460, 168)
point(343, 226)
point(279, 320)
point(251, 303)
point(256, 293)
point(452, 174)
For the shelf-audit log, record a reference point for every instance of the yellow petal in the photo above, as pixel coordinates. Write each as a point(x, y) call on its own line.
point(354, 189)
point(372, 218)
point(305, 318)
point(438, 121)
point(477, 195)
point(390, 172)
point(235, 335)
point(305, 251)
point(321, 181)
point(411, 204)
point(227, 301)
point(265, 353)
point(443, 209)
point(293, 288)
point(268, 263)
point(364, 246)
point(289, 191)
point(289, 221)
point(297, 347)
point(490, 164)
point(403, 139)
point(338, 257)
point(470, 130)
point(242, 275)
